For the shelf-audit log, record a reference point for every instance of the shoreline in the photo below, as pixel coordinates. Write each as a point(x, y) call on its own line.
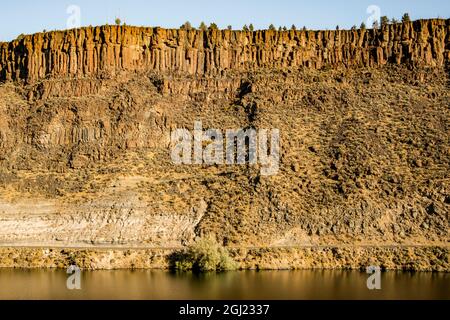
point(399, 258)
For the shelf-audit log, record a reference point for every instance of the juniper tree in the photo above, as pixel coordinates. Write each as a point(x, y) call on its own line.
point(186, 26)
point(406, 18)
point(203, 26)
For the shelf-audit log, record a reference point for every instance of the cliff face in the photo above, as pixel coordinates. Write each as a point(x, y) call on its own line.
point(108, 49)
point(85, 127)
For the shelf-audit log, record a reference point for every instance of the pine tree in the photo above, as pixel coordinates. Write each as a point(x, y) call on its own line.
point(251, 27)
point(293, 27)
point(245, 28)
point(384, 21)
point(363, 26)
point(272, 27)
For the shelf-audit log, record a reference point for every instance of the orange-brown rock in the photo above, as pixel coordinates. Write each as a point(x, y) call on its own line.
point(108, 49)
point(86, 117)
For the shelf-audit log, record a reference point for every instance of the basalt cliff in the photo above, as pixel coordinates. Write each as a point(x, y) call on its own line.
point(85, 151)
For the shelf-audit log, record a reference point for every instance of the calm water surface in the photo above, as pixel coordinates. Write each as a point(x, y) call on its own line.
point(51, 284)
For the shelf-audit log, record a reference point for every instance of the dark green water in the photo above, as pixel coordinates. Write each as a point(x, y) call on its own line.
point(51, 284)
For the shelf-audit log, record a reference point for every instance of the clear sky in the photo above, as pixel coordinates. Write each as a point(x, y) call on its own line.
point(30, 16)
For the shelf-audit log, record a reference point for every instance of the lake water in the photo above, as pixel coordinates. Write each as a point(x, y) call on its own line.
point(51, 284)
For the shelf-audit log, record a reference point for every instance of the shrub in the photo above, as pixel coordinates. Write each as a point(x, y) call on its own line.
point(203, 256)
point(213, 26)
point(203, 26)
point(118, 21)
point(186, 26)
point(406, 18)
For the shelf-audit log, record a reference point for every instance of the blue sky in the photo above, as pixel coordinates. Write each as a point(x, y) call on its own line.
point(30, 16)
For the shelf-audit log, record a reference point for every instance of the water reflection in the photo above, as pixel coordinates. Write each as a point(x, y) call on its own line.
point(51, 284)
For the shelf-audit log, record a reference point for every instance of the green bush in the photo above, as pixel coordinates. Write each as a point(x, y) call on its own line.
point(203, 256)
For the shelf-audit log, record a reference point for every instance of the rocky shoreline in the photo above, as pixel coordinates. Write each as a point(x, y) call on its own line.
point(412, 258)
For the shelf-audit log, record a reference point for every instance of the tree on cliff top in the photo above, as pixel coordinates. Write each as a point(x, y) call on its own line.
point(251, 27)
point(203, 26)
point(272, 27)
point(376, 25)
point(213, 26)
point(245, 28)
point(118, 21)
point(293, 27)
point(384, 21)
point(406, 18)
point(186, 26)
point(363, 26)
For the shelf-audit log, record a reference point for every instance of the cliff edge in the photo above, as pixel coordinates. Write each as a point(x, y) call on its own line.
point(108, 49)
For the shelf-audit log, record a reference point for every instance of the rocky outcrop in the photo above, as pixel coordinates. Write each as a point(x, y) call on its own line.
point(110, 49)
point(86, 117)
